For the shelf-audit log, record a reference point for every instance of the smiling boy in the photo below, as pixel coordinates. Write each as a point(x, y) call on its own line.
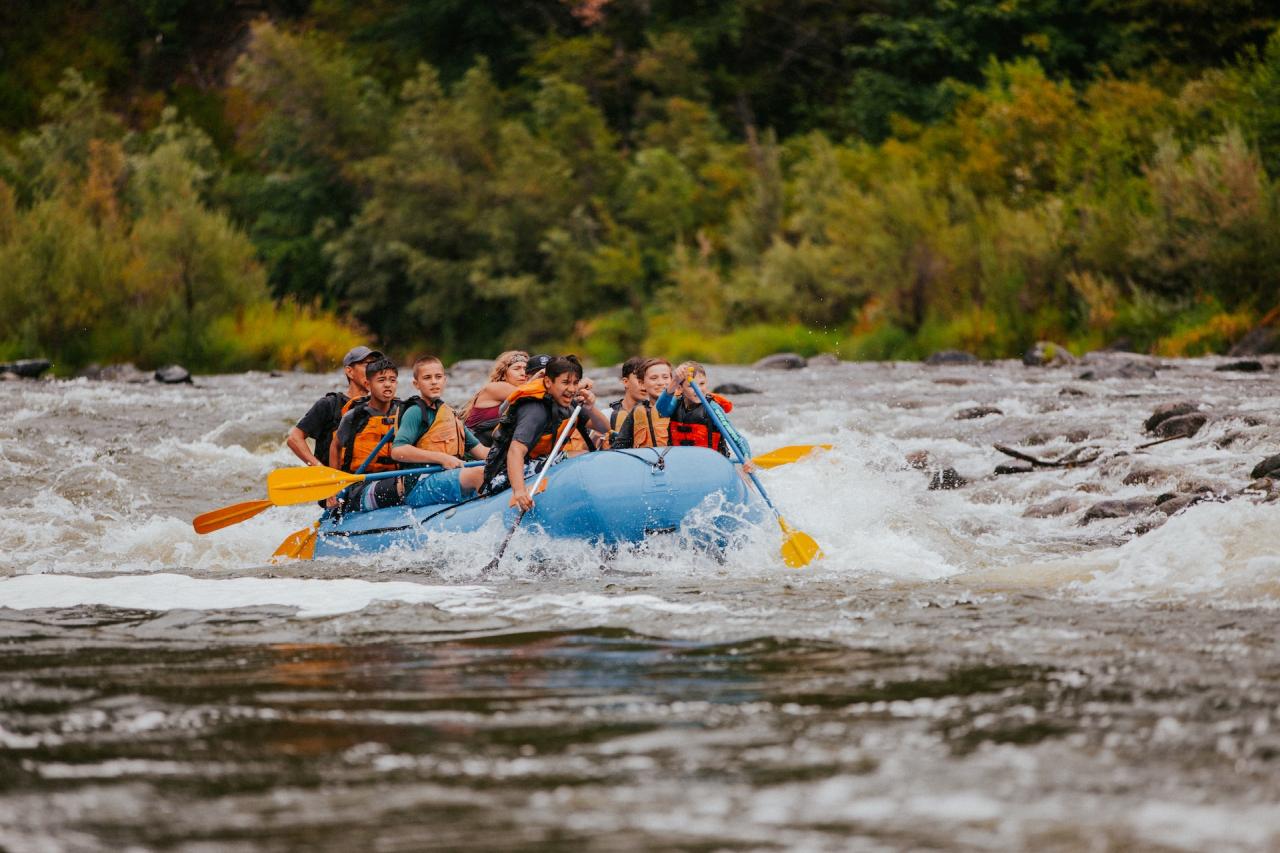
point(431, 433)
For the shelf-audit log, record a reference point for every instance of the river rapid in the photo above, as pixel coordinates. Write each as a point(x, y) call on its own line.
point(957, 672)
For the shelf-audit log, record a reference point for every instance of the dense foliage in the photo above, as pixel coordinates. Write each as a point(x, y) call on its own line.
point(716, 179)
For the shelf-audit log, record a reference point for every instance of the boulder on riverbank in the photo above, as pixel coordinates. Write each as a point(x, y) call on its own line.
point(781, 361)
point(951, 356)
point(1048, 354)
point(173, 374)
point(26, 368)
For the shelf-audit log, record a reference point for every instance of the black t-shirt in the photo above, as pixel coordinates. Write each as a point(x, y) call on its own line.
point(321, 420)
point(531, 422)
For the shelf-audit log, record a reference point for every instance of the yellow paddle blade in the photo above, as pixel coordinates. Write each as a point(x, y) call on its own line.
point(787, 455)
point(798, 547)
point(216, 519)
point(299, 545)
point(287, 486)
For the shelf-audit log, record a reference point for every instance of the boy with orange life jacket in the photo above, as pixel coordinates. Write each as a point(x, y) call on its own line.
point(643, 427)
point(367, 426)
point(690, 424)
point(633, 393)
point(431, 433)
point(321, 420)
point(532, 419)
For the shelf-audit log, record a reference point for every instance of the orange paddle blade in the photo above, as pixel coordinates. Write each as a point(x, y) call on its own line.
point(787, 455)
point(299, 545)
point(302, 485)
point(217, 519)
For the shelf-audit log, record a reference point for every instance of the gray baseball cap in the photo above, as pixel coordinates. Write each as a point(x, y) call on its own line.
point(358, 355)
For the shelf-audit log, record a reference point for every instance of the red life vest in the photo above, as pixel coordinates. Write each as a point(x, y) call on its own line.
point(684, 434)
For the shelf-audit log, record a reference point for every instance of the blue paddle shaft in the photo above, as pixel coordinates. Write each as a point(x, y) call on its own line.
point(724, 433)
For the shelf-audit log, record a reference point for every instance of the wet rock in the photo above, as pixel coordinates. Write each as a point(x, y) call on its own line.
point(824, 359)
point(1248, 366)
point(1182, 426)
point(126, 372)
point(173, 374)
point(10, 376)
point(733, 389)
point(1269, 467)
point(1145, 475)
point(1228, 439)
point(951, 356)
point(1170, 410)
point(472, 365)
point(945, 479)
point(1053, 508)
point(26, 368)
point(1178, 503)
point(919, 459)
point(781, 361)
point(1036, 439)
point(1014, 468)
point(1047, 354)
point(1072, 392)
point(1076, 436)
point(275, 374)
point(1119, 369)
point(1118, 508)
point(977, 412)
point(956, 381)
point(1261, 339)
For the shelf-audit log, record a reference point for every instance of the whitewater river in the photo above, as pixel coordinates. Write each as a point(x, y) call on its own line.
point(955, 674)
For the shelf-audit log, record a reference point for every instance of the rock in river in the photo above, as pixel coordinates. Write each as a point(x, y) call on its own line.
point(946, 478)
point(733, 389)
point(26, 368)
point(173, 374)
point(1120, 368)
point(1117, 508)
point(1046, 354)
point(1246, 366)
point(1181, 426)
point(951, 356)
point(977, 412)
point(781, 361)
point(1269, 467)
point(1170, 410)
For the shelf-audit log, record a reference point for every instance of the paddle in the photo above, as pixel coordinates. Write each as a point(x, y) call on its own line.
point(569, 426)
point(216, 519)
point(787, 455)
point(287, 486)
point(798, 547)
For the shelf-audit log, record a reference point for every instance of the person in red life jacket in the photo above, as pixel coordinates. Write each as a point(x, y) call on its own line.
point(643, 427)
point(321, 420)
point(431, 433)
point(690, 425)
point(362, 429)
point(482, 411)
point(532, 419)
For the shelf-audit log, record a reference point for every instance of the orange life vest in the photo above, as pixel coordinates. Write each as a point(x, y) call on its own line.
point(643, 417)
point(446, 433)
point(371, 428)
point(685, 434)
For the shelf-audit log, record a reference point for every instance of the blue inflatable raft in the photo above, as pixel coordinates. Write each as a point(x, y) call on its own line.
point(610, 497)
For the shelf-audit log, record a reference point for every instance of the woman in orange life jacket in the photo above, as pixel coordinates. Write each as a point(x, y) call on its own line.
point(643, 427)
point(690, 425)
point(363, 426)
point(633, 393)
point(531, 421)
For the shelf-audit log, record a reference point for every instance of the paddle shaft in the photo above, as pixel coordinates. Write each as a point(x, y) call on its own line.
point(737, 451)
point(570, 425)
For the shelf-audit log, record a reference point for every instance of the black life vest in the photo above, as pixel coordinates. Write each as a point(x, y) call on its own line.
point(532, 393)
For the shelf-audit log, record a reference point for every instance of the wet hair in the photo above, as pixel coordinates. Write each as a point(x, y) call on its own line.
point(374, 368)
point(425, 359)
point(685, 366)
point(631, 367)
point(648, 363)
point(562, 364)
point(498, 373)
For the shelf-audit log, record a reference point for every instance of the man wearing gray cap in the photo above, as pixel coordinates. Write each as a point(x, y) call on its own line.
point(322, 418)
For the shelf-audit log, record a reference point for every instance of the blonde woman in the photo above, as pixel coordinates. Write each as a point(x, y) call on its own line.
point(482, 412)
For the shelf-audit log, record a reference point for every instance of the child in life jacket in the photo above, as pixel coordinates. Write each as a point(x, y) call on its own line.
point(690, 424)
point(431, 433)
point(366, 427)
point(533, 418)
point(632, 393)
point(644, 427)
